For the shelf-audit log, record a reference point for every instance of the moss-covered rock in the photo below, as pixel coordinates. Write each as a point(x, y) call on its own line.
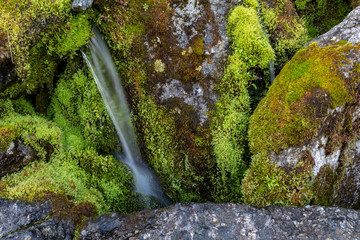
point(309, 117)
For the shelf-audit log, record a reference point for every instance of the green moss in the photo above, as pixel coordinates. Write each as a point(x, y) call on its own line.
point(288, 116)
point(322, 15)
point(7, 135)
point(269, 184)
point(78, 109)
point(83, 177)
point(287, 30)
point(251, 51)
point(42, 135)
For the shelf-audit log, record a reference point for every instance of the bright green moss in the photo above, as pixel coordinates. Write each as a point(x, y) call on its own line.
point(23, 107)
point(251, 50)
point(287, 116)
point(7, 135)
point(42, 135)
point(78, 108)
point(268, 184)
point(83, 177)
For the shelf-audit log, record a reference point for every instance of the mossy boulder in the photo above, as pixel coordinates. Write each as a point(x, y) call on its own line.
point(306, 130)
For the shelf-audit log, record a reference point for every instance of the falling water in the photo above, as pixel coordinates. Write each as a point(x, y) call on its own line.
point(272, 71)
point(99, 60)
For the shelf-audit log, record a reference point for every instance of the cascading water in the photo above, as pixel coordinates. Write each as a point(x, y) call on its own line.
point(99, 60)
point(272, 71)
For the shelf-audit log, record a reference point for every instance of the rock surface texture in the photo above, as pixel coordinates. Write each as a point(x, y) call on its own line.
point(15, 157)
point(188, 57)
point(81, 5)
point(226, 221)
point(19, 220)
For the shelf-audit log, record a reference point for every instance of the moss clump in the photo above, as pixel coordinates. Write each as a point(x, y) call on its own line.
point(41, 33)
point(287, 30)
point(83, 177)
point(291, 112)
point(77, 107)
point(42, 135)
point(7, 135)
point(251, 52)
point(268, 184)
point(322, 15)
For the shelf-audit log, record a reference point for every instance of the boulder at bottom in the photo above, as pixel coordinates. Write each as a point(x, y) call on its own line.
point(226, 221)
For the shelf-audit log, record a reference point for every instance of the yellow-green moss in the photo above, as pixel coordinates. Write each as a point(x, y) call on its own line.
point(251, 51)
point(7, 135)
point(286, 117)
point(268, 184)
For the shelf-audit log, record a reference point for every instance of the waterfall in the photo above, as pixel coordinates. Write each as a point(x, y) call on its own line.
point(272, 71)
point(99, 60)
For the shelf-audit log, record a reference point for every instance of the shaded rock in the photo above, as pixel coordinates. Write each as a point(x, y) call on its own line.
point(15, 157)
point(81, 5)
point(348, 30)
point(16, 215)
point(226, 221)
point(7, 68)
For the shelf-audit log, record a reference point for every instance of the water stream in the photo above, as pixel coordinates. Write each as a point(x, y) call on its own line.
point(100, 62)
point(272, 71)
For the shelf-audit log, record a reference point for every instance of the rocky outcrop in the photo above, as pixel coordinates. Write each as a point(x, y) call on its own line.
point(308, 124)
point(348, 30)
point(188, 57)
point(81, 5)
point(19, 220)
point(226, 221)
point(15, 157)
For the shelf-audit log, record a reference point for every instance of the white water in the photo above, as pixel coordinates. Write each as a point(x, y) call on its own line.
point(272, 71)
point(106, 77)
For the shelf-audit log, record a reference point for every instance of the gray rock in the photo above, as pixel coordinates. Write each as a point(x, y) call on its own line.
point(81, 5)
point(16, 215)
point(226, 221)
point(191, 21)
point(348, 30)
point(50, 229)
point(15, 157)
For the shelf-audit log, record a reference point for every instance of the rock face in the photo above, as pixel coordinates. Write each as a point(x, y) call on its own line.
point(81, 5)
point(311, 123)
point(226, 221)
point(188, 56)
point(15, 157)
point(348, 30)
point(27, 221)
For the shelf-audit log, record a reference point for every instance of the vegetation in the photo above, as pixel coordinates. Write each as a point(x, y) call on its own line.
point(251, 51)
point(290, 114)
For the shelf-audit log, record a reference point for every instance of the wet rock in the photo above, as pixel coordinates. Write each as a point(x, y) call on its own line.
point(15, 157)
point(81, 5)
point(348, 30)
point(226, 221)
point(16, 215)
